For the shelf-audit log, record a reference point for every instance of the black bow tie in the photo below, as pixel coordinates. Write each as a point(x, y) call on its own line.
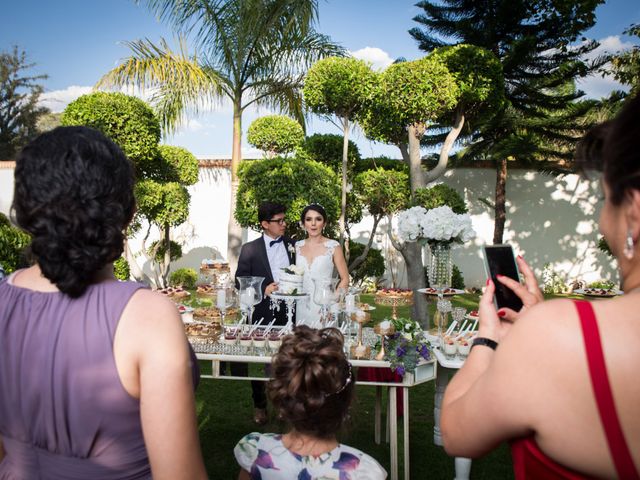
point(273, 242)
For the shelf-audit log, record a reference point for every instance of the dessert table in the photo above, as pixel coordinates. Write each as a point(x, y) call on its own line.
point(425, 371)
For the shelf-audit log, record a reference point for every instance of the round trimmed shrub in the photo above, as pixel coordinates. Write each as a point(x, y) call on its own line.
point(184, 277)
point(125, 119)
point(13, 243)
point(327, 149)
point(177, 165)
point(439, 196)
point(176, 250)
point(275, 134)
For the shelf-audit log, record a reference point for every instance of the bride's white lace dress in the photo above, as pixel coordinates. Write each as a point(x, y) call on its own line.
point(319, 267)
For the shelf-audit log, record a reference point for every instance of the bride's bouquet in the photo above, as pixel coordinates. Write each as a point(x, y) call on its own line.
point(440, 225)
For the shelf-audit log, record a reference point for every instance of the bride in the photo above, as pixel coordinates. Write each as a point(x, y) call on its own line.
point(319, 256)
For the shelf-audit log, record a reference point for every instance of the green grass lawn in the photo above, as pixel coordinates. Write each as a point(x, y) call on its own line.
point(225, 412)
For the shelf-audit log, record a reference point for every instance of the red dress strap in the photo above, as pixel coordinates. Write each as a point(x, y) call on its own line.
point(602, 392)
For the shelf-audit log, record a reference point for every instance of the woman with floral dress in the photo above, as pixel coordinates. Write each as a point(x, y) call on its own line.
point(311, 390)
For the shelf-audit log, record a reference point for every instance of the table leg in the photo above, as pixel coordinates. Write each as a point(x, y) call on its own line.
point(405, 426)
point(387, 423)
point(393, 427)
point(463, 468)
point(442, 380)
point(462, 465)
point(378, 414)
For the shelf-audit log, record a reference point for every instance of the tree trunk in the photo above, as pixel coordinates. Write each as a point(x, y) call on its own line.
point(452, 136)
point(416, 175)
point(412, 254)
point(412, 251)
point(134, 269)
point(500, 204)
point(234, 229)
point(343, 204)
point(166, 263)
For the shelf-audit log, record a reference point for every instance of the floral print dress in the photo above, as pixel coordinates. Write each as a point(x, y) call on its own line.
point(265, 457)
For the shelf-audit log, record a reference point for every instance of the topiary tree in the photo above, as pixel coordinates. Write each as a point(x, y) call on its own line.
point(372, 266)
point(412, 96)
point(439, 196)
point(292, 182)
point(13, 243)
point(382, 193)
point(326, 148)
point(380, 162)
point(126, 120)
point(163, 171)
point(275, 135)
point(339, 86)
point(184, 277)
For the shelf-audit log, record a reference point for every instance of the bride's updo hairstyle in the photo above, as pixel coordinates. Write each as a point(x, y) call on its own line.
point(316, 207)
point(74, 195)
point(312, 383)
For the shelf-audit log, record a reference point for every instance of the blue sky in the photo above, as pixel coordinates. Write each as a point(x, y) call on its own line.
point(76, 41)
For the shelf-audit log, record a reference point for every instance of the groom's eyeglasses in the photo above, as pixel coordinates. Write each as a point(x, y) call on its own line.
point(279, 221)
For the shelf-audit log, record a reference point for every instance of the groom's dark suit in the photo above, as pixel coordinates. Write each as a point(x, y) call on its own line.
point(254, 261)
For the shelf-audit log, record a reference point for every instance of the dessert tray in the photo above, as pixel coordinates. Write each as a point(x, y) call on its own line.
point(447, 292)
point(599, 292)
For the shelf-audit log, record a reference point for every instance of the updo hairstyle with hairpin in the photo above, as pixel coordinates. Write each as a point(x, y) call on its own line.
point(312, 383)
point(316, 207)
point(74, 195)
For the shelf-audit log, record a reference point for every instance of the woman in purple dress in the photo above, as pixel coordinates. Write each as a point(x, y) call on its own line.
point(96, 376)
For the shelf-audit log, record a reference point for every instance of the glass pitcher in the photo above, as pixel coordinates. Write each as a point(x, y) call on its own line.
point(325, 295)
point(250, 294)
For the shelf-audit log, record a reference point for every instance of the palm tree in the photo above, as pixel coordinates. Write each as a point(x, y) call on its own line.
point(248, 51)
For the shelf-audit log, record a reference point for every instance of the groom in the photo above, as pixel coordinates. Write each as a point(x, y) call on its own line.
point(264, 257)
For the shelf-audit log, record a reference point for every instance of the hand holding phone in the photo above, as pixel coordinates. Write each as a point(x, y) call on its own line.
point(499, 260)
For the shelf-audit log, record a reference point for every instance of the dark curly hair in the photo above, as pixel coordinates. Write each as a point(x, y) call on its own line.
point(613, 149)
point(312, 383)
point(74, 195)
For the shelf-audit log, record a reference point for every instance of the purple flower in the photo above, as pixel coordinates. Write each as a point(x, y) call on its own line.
point(264, 460)
point(400, 370)
point(401, 351)
point(423, 351)
point(347, 461)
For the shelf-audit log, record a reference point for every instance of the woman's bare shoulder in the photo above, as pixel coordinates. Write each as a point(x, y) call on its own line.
point(148, 310)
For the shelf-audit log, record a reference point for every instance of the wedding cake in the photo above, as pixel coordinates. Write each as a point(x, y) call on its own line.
point(290, 280)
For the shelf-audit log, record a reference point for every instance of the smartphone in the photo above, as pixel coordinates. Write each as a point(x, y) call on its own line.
point(499, 260)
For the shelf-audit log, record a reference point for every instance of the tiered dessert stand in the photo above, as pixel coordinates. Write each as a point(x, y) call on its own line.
point(289, 301)
point(394, 301)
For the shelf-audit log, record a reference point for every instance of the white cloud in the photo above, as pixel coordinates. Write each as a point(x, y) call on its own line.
point(378, 58)
point(611, 44)
point(597, 85)
point(57, 100)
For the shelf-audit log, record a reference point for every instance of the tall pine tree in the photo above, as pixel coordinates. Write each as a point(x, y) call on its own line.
point(542, 117)
point(19, 96)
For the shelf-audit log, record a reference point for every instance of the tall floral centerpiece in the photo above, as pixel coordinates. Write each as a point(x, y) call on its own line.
point(438, 227)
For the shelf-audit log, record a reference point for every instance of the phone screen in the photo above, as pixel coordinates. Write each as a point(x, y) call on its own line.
point(499, 260)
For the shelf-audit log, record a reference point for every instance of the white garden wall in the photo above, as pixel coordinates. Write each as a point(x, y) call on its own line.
point(549, 220)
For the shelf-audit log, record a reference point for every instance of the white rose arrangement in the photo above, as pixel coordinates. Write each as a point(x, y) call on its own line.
point(439, 224)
